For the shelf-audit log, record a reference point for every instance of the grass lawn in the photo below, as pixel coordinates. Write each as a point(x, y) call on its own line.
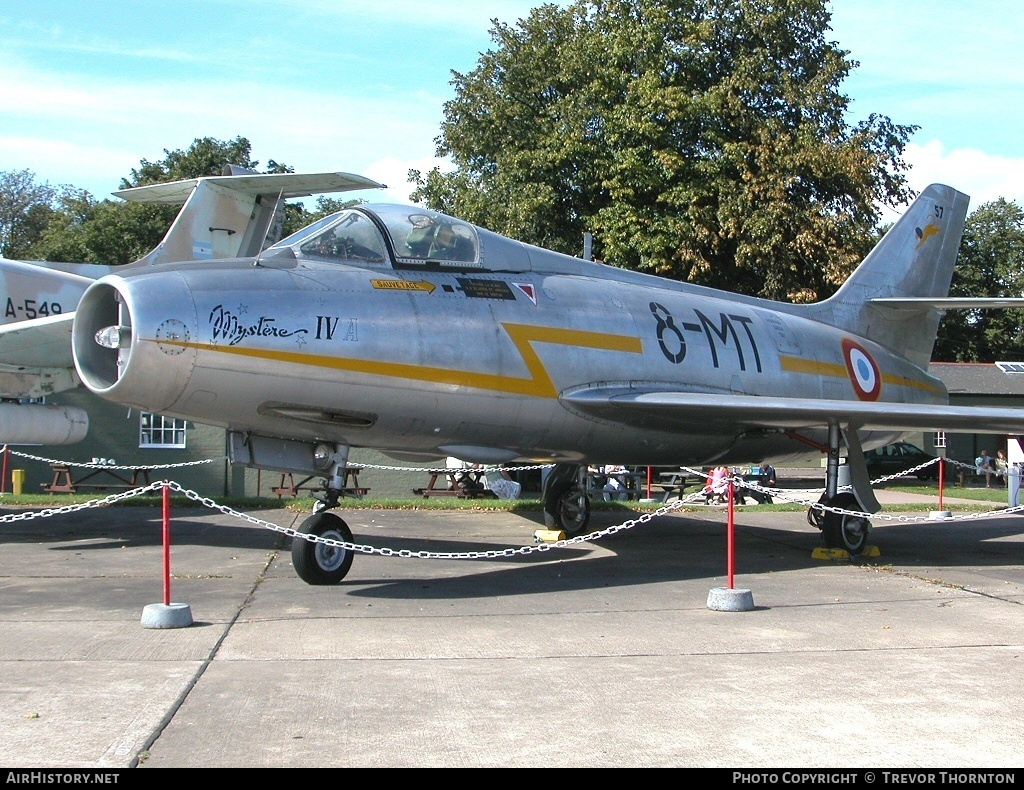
point(987, 499)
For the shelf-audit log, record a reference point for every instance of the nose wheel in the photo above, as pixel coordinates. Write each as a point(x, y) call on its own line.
point(320, 563)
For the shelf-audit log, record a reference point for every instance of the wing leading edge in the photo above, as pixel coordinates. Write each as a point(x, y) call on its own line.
point(38, 343)
point(702, 409)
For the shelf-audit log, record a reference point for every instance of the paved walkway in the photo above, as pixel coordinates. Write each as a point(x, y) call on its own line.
point(603, 653)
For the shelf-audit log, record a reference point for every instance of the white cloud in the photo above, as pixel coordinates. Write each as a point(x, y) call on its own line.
point(393, 172)
point(117, 124)
point(983, 176)
point(451, 15)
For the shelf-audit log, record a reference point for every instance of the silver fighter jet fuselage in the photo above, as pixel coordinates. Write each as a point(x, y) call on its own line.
point(415, 333)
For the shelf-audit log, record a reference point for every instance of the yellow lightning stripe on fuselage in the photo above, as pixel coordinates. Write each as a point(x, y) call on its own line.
point(539, 383)
point(833, 370)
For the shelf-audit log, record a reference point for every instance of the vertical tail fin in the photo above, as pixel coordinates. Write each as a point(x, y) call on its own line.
point(229, 216)
point(914, 259)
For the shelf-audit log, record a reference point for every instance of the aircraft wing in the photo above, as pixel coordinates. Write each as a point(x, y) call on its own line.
point(704, 411)
point(948, 302)
point(38, 343)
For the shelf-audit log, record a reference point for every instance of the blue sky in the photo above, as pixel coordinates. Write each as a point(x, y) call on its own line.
point(87, 90)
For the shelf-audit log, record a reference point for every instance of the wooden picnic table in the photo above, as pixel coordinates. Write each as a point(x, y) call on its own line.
point(674, 483)
point(64, 483)
point(350, 487)
point(633, 481)
point(461, 483)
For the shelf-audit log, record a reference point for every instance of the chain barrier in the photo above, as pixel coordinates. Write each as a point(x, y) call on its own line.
point(87, 465)
point(355, 547)
point(787, 495)
point(439, 470)
point(421, 469)
point(464, 555)
point(110, 499)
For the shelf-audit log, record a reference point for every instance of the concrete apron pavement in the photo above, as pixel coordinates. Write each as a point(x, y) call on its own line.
point(603, 653)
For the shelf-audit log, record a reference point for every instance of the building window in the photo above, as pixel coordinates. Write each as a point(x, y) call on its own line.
point(156, 431)
point(940, 439)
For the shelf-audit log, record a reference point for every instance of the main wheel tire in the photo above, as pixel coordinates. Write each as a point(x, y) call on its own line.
point(319, 563)
point(843, 531)
point(573, 511)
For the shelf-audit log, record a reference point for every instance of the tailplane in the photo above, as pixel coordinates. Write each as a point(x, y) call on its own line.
point(231, 215)
point(914, 260)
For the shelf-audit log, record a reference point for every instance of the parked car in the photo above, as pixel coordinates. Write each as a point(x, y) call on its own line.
point(899, 457)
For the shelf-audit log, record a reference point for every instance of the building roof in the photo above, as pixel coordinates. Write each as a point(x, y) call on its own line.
point(977, 378)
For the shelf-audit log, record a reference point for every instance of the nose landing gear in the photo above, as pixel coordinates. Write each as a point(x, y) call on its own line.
point(322, 563)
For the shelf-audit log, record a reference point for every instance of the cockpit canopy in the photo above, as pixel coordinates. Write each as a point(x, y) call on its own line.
point(381, 234)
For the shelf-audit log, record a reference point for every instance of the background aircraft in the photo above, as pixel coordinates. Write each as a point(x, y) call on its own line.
point(221, 217)
point(408, 331)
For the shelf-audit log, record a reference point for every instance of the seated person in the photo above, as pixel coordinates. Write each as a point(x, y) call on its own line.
point(985, 467)
point(421, 236)
point(1000, 466)
point(717, 487)
point(440, 239)
point(615, 486)
point(466, 479)
point(502, 484)
point(765, 479)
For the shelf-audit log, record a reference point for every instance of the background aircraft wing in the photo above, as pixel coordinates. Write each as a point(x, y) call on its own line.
point(708, 410)
point(38, 343)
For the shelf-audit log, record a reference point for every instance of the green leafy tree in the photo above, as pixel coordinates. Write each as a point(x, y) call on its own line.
point(704, 140)
point(990, 263)
point(26, 207)
point(205, 157)
point(84, 230)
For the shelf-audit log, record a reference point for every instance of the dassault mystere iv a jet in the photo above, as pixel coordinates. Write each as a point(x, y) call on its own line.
point(420, 335)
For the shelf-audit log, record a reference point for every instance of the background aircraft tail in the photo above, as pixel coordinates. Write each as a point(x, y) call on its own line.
point(914, 260)
point(231, 215)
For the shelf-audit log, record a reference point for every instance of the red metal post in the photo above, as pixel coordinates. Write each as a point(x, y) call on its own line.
point(942, 479)
point(730, 537)
point(167, 543)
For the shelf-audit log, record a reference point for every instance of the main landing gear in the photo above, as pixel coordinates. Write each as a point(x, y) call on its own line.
point(842, 530)
point(566, 504)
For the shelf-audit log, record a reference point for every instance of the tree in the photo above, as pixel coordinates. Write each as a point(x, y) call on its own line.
point(25, 209)
point(205, 157)
point(990, 263)
point(84, 230)
point(703, 140)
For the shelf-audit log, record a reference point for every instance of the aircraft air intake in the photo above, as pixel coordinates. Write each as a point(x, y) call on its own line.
point(132, 339)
